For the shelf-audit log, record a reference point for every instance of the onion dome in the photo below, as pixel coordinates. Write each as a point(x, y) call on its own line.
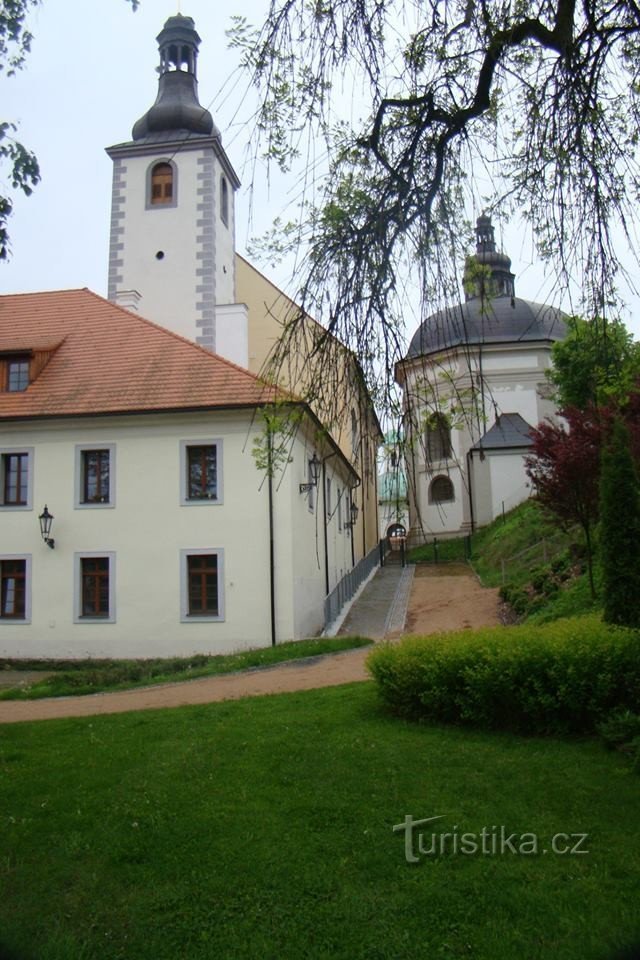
point(177, 109)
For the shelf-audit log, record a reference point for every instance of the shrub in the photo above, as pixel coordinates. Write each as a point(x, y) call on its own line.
point(562, 677)
point(621, 731)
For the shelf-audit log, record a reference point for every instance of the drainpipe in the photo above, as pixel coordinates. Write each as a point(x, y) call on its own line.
point(272, 583)
point(325, 524)
point(470, 487)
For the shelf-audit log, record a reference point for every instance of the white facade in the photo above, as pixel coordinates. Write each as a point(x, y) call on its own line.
point(474, 388)
point(146, 530)
point(474, 385)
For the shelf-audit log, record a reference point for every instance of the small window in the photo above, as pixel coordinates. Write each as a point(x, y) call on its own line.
point(162, 183)
point(15, 479)
point(201, 471)
point(13, 589)
point(224, 201)
point(202, 585)
point(438, 438)
point(95, 475)
point(441, 490)
point(17, 374)
point(95, 587)
point(16, 475)
point(328, 498)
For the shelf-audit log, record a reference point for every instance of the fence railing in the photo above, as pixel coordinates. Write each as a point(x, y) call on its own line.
point(346, 588)
point(543, 551)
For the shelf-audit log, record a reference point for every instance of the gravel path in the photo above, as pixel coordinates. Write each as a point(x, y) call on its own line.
point(438, 601)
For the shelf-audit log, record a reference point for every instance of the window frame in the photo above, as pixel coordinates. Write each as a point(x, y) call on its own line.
point(10, 558)
point(224, 199)
point(185, 615)
point(19, 360)
point(185, 499)
point(12, 452)
point(78, 596)
point(149, 205)
point(438, 433)
point(79, 482)
point(451, 499)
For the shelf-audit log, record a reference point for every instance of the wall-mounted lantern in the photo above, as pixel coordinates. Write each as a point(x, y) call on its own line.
point(314, 473)
point(354, 515)
point(46, 519)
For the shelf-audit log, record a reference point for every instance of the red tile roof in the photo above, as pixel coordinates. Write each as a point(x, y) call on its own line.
point(100, 358)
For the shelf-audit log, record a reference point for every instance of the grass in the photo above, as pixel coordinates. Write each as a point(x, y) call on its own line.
point(263, 828)
point(74, 678)
point(534, 551)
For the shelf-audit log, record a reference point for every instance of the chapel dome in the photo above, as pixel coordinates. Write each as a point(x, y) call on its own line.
point(491, 312)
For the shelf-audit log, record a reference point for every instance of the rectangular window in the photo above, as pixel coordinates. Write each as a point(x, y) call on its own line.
point(13, 589)
point(95, 465)
point(201, 471)
point(16, 479)
point(95, 587)
point(17, 374)
point(95, 476)
point(201, 586)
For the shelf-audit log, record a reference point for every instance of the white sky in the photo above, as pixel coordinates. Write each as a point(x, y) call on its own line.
point(90, 75)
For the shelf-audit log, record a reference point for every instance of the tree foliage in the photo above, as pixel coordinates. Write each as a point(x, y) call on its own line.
point(563, 468)
point(595, 364)
point(411, 117)
point(18, 165)
point(620, 529)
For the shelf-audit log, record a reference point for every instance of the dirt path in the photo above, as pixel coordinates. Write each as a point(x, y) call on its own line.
point(438, 602)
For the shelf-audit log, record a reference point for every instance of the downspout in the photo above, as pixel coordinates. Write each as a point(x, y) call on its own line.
point(324, 523)
point(353, 549)
point(470, 485)
point(272, 583)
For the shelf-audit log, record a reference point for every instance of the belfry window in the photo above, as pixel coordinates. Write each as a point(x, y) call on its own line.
point(162, 183)
point(224, 201)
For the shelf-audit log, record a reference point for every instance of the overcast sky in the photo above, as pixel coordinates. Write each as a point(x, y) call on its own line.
point(90, 75)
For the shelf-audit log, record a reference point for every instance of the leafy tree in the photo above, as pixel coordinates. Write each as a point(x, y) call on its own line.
point(18, 165)
point(596, 363)
point(620, 529)
point(563, 468)
point(419, 115)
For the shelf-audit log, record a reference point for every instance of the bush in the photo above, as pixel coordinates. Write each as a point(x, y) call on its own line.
point(562, 677)
point(621, 731)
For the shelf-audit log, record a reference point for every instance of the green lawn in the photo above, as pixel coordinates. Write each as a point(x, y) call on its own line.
point(262, 828)
point(75, 678)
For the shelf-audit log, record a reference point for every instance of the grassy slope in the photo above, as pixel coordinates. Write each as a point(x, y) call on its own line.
point(505, 539)
point(263, 829)
point(92, 676)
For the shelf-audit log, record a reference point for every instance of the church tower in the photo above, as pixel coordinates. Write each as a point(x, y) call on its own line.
point(172, 245)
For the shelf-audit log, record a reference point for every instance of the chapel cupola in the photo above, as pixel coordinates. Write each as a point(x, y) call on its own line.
point(497, 266)
point(177, 108)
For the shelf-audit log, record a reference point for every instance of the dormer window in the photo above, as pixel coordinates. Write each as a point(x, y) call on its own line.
point(162, 183)
point(16, 374)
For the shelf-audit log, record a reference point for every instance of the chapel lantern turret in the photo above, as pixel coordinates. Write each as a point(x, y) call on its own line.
point(501, 281)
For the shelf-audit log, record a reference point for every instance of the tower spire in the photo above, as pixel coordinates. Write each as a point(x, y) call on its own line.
point(177, 108)
point(502, 281)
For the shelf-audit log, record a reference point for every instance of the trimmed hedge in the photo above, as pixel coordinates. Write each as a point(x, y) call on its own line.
point(561, 677)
